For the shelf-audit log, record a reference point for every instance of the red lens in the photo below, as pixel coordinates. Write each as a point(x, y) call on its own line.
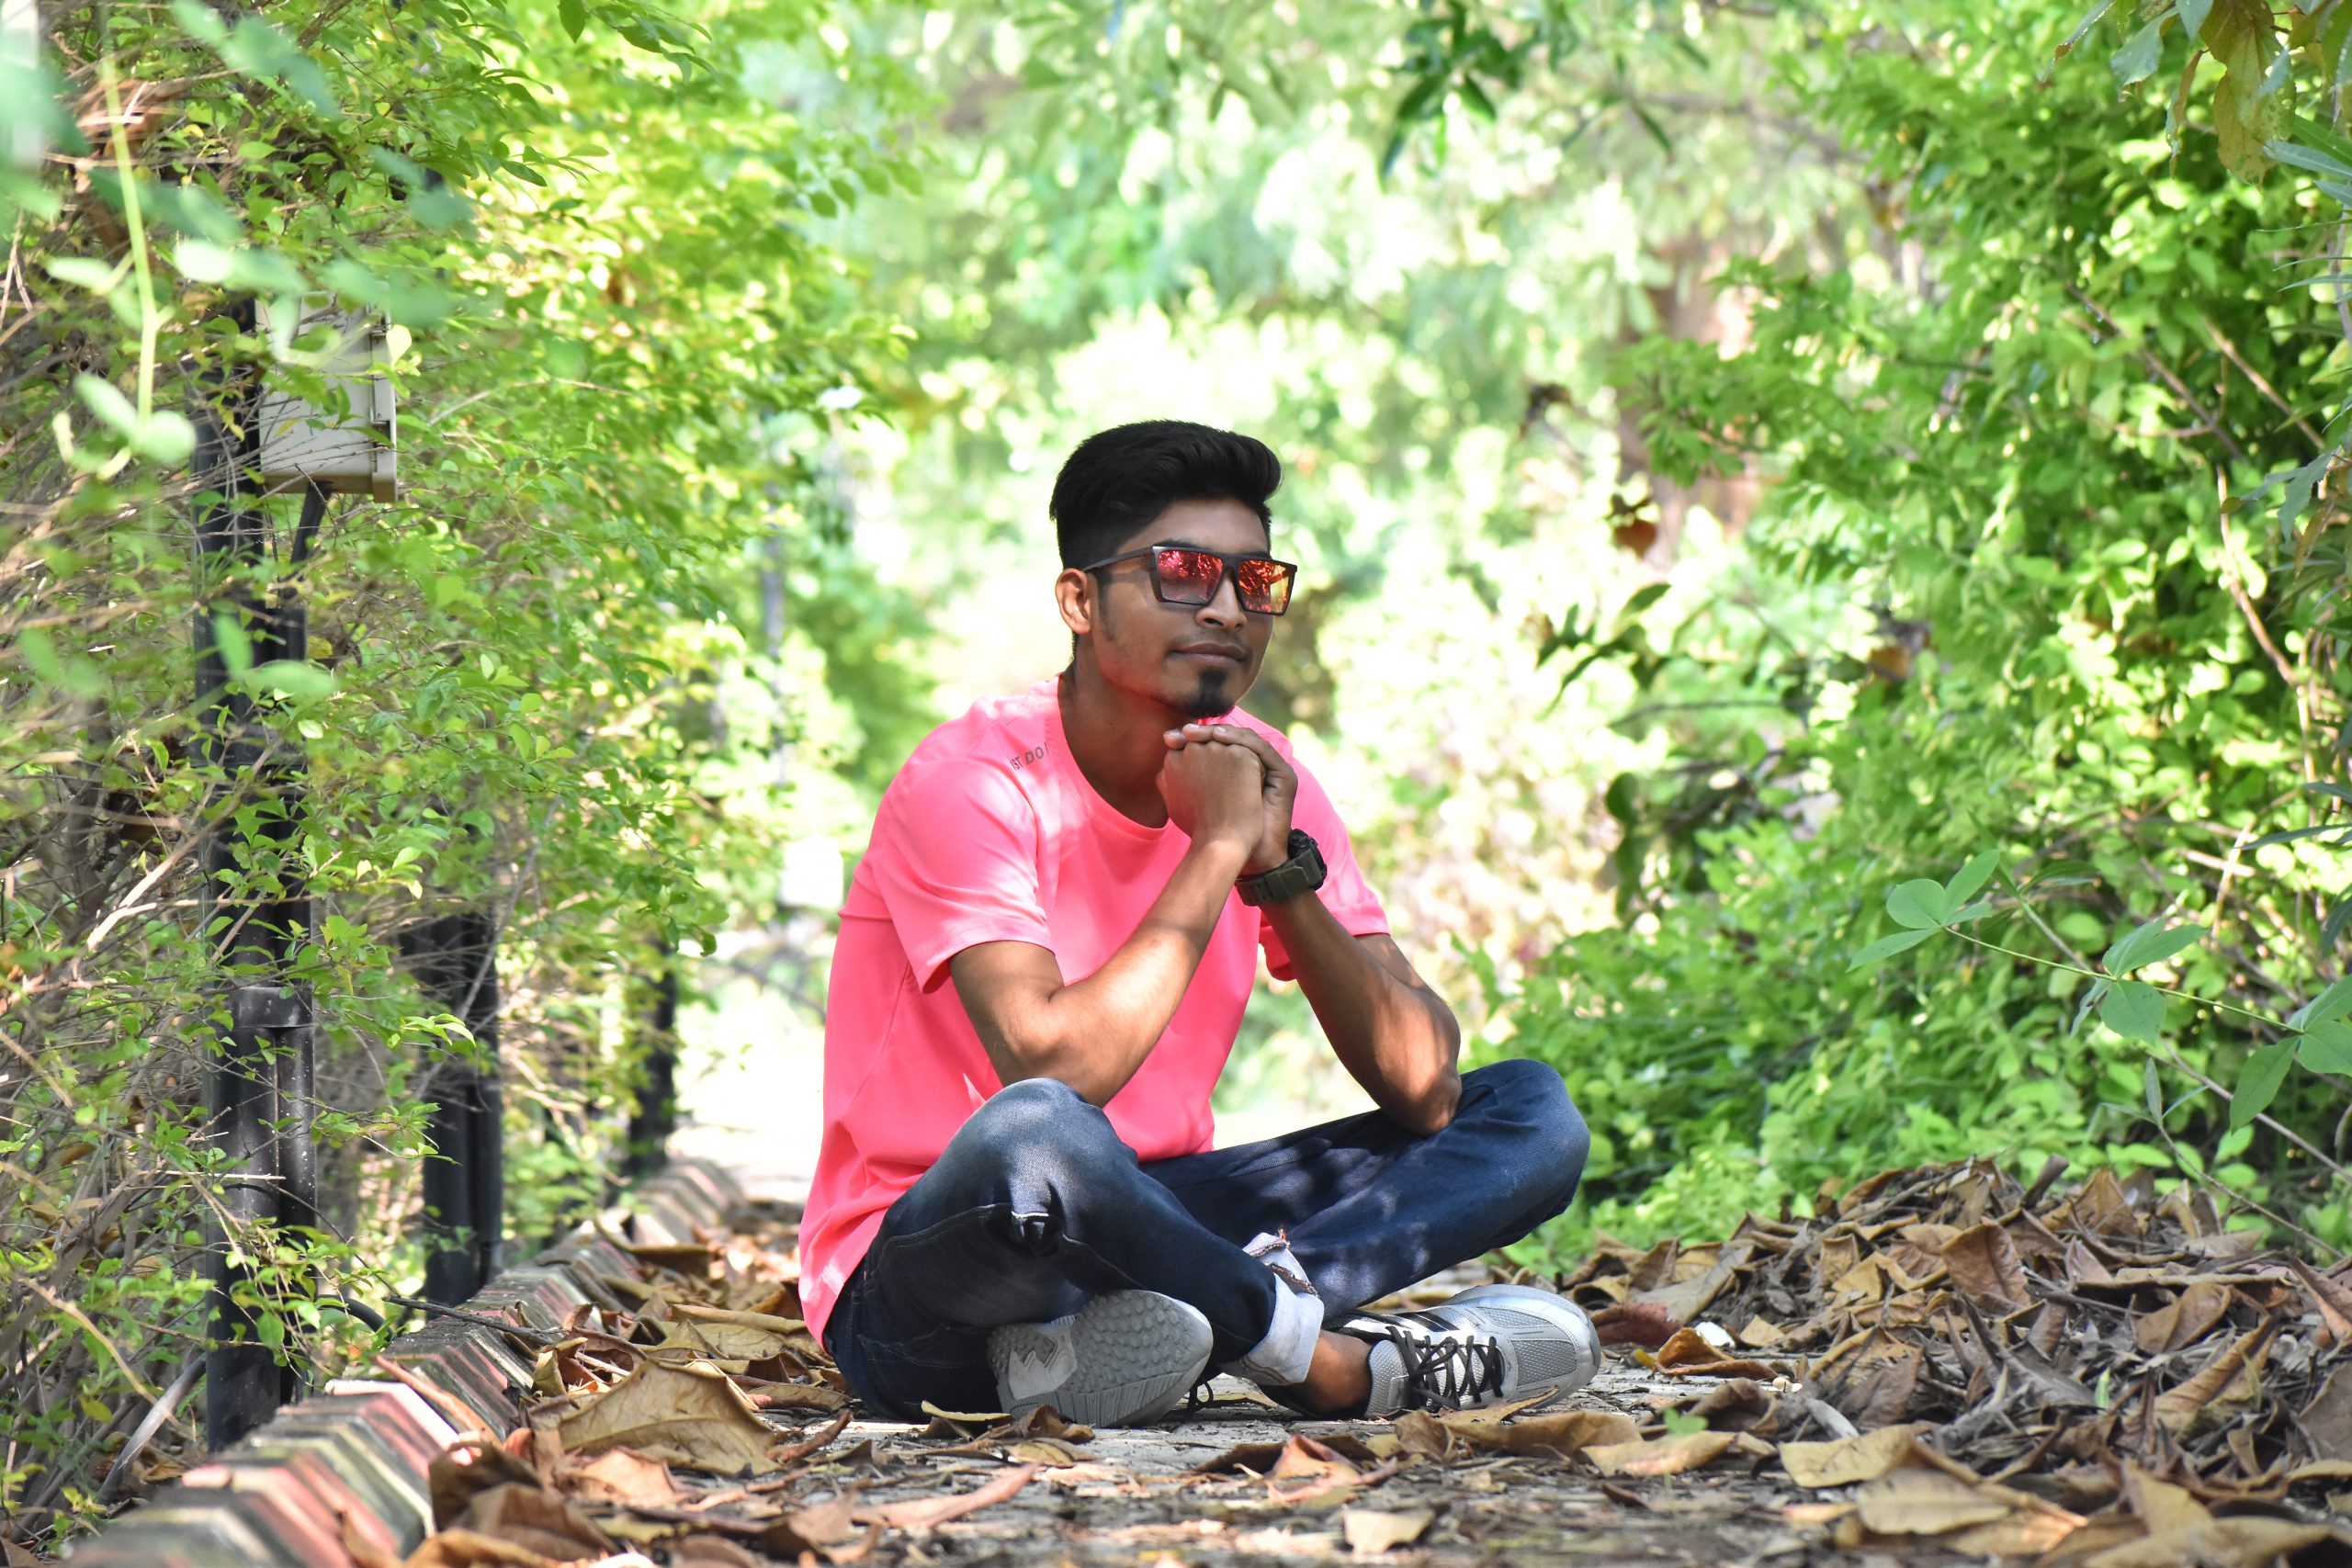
point(1188, 577)
point(1264, 585)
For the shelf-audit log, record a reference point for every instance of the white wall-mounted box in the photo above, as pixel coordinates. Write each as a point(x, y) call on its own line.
point(24, 146)
point(349, 451)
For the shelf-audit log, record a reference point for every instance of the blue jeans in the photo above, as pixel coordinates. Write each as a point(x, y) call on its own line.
point(1035, 1206)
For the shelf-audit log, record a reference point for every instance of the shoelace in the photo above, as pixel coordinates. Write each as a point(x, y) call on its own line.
point(1449, 1373)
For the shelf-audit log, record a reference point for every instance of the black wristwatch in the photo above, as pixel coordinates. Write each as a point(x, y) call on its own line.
point(1303, 873)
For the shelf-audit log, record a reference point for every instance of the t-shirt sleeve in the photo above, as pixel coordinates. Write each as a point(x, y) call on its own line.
point(1344, 891)
point(955, 862)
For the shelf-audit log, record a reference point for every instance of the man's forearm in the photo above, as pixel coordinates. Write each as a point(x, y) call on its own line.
point(1395, 1035)
point(1094, 1033)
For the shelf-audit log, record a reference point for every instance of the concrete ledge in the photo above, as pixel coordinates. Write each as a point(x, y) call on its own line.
point(359, 1450)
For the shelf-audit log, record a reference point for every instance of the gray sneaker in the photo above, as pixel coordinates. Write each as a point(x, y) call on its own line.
point(1490, 1345)
point(1121, 1360)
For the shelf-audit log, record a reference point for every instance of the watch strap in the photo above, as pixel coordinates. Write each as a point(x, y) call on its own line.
point(1303, 873)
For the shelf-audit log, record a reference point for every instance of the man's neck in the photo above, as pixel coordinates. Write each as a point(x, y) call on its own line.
point(1117, 742)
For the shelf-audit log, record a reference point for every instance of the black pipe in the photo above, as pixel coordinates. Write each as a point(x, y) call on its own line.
point(655, 1115)
point(455, 959)
point(258, 1078)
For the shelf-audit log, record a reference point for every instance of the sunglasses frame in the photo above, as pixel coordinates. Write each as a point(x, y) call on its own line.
point(1228, 571)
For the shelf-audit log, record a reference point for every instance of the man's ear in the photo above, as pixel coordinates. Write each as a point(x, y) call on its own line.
point(1074, 597)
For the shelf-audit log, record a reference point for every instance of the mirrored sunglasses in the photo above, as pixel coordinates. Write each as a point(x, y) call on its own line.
point(1181, 574)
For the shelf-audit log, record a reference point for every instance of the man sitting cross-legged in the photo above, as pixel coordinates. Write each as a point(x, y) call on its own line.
point(1043, 961)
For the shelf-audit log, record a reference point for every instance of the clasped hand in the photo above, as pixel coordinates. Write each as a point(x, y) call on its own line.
point(1222, 781)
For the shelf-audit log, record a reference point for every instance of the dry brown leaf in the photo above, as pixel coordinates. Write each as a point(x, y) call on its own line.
point(2227, 1384)
point(1760, 1335)
point(2101, 1207)
point(806, 1396)
point(1982, 1263)
point(466, 1467)
point(1846, 1460)
point(535, 1519)
point(2235, 1543)
point(1656, 1267)
point(2160, 1504)
point(1672, 1456)
point(2331, 1301)
point(1419, 1432)
point(2323, 1470)
point(464, 1549)
point(1923, 1502)
point(1567, 1432)
point(2182, 1320)
point(620, 1476)
point(1369, 1533)
point(817, 1527)
point(691, 1257)
point(809, 1443)
point(1689, 1354)
point(712, 1551)
point(1302, 1457)
point(1047, 1453)
point(1647, 1323)
point(1694, 1287)
point(684, 1415)
point(931, 1512)
point(2024, 1532)
point(2327, 1421)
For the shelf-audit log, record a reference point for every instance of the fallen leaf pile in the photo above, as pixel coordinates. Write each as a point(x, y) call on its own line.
point(1941, 1366)
point(667, 1428)
point(2103, 1375)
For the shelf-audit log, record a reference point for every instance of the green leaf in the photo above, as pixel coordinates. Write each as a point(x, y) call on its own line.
point(2192, 16)
point(2329, 1005)
point(2258, 1081)
point(2083, 28)
point(1919, 904)
point(106, 399)
point(2150, 943)
point(2327, 1049)
point(86, 272)
point(1969, 877)
point(292, 678)
point(165, 437)
point(1887, 947)
point(2141, 54)
point(228, 637)
point(201, 22)
point(573, 13)
point(2301, 157)
point(2134, 1009)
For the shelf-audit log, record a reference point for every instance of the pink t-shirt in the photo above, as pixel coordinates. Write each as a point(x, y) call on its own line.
point(990, 833)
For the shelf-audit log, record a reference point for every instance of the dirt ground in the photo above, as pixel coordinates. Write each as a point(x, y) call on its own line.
point(1138, 1499)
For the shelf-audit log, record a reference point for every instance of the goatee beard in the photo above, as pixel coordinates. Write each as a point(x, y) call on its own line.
point(1210, 700)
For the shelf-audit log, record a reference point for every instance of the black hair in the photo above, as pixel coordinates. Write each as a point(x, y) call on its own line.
point(1119, 479)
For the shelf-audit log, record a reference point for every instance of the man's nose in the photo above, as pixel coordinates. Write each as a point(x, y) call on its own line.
point(1224, 608)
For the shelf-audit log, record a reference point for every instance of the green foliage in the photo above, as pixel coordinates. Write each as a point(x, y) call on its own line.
point(621, 345)
point(2021, 423)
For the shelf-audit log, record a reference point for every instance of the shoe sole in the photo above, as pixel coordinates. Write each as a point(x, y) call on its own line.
point(1138, 1354)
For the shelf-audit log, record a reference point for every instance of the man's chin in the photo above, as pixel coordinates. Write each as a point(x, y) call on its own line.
point(1212, 698)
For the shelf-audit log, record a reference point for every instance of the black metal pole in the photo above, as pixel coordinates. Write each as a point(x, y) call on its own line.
point(257, 912)
point(455, 959)
point(655, 1115)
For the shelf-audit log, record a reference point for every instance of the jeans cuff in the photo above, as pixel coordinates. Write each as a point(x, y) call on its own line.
point(1282, 1358)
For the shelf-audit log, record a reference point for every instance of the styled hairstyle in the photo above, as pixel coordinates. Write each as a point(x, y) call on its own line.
point(1119, 479)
